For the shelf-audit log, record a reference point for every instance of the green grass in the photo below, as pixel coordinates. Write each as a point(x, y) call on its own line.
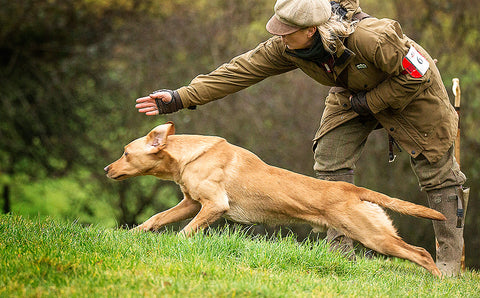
point(44, 257)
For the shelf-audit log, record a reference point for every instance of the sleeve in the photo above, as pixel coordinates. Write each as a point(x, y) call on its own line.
point(387, 54)
point(242, 71)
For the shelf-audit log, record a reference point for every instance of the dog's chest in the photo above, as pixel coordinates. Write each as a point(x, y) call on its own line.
point(242, 215)
point(257, 214)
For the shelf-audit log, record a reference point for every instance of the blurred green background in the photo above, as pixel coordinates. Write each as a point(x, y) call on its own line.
point(70, 71)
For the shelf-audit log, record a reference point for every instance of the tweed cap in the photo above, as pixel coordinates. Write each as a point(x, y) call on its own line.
point(293, 15)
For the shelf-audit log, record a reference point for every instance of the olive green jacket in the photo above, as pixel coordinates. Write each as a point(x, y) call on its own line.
point(415, 111)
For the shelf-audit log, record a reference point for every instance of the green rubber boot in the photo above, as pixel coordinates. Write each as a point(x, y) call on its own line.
point(449, 233)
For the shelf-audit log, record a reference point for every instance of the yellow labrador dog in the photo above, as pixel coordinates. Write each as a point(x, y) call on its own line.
point(220, 179)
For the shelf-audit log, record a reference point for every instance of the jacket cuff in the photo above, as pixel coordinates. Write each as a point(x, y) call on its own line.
point(183, 95)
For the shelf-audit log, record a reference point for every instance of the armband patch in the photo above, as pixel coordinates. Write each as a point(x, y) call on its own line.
point(415, 64)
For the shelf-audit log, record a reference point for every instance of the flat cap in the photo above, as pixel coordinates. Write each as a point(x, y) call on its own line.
point(293, 15)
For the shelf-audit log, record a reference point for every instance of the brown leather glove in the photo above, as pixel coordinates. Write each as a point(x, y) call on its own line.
point(359, 104)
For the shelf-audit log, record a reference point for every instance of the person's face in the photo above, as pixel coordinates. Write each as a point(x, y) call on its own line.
point(300, 39)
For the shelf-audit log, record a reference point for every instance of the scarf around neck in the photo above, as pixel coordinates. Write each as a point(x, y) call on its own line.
point(316, 53)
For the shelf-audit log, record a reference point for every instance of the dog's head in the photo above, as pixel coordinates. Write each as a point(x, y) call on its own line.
point(143, 156)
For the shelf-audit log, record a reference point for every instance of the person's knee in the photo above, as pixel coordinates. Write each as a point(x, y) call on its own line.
point(346, 175)
point(442, 174)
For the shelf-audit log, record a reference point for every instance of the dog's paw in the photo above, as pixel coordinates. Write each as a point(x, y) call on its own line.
point(138, 229)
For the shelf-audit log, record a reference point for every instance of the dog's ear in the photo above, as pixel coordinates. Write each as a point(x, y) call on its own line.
point(157, 138)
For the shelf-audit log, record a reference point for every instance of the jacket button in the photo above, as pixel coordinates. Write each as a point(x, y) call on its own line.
point(392, 129)
point(413, 151)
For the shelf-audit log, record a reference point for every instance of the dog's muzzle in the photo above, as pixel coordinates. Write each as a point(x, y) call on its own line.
point(112, 175)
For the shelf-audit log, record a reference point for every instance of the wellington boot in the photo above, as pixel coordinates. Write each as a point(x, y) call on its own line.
point(341, 243)
point(449, 237)
point(337, 240)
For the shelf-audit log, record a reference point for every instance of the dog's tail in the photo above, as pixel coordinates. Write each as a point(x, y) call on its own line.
point(400, 206)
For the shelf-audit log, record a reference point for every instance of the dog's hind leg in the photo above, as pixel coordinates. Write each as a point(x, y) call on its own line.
point(399, 248)
point(187, 208)
point(393, 245)
point(370, 225)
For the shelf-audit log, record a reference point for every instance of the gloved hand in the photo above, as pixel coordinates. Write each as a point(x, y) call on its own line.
point(163, 101)
point(359, 104)
point(167, 104)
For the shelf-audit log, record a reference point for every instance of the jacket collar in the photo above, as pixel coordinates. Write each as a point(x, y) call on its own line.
point(343, 56)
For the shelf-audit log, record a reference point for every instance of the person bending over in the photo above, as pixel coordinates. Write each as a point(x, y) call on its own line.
point(379, 78)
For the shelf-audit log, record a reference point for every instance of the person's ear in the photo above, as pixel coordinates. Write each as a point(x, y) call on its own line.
point(311, 31)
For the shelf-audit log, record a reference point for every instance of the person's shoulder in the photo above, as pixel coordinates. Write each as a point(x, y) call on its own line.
point(372, 33)
point(275, 41)
point(371, 29)
point(272, 45)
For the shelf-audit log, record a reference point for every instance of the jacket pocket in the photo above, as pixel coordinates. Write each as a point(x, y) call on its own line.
point(337, 111)
point(340, 96)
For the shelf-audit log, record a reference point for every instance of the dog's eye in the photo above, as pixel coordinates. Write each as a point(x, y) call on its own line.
point(125, 153)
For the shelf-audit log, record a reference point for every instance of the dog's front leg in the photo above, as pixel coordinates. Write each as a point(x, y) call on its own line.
point(187, 208)
point(209, 213)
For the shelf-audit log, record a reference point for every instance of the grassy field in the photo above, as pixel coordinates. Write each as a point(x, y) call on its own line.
point(44, 257)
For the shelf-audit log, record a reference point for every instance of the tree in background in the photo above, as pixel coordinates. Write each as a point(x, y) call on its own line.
point(60, 108)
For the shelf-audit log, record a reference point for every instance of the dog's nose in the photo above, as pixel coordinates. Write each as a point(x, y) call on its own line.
point(106, 169)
